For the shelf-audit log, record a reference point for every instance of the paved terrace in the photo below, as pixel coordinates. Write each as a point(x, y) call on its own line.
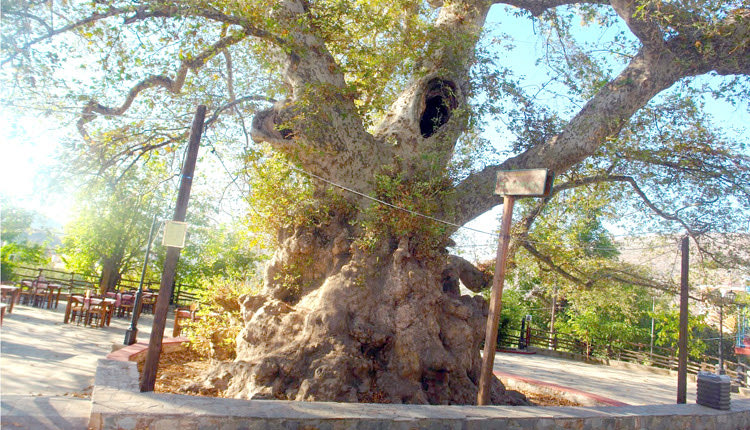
point(633, 387)
point(47, 370)
point(47, 367)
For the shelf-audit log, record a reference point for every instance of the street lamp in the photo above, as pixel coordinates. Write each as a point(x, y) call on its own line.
point(132, 332)
point(728, 299)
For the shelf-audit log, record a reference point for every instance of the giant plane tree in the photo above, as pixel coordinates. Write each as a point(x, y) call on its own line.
point(376, 109)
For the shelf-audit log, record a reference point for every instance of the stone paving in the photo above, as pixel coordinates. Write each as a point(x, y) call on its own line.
point(47, 367)
point(634, 387)
point(117, 404)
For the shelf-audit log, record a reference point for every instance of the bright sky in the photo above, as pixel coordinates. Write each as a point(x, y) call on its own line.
point(29, 144)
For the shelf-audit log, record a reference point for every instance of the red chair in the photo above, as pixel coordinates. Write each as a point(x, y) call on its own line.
point(127, 300)
point(41, 294)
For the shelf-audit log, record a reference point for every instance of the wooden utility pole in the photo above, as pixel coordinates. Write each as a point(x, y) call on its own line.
point(683, 341)
point(510, 184)
point(173, 254)
point(496, 304)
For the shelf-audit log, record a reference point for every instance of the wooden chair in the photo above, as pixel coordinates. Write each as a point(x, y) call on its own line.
point(181, 314)
point(41, 294)
point(26, 293)
point(148, 301)
point(127, 301)
point(76, 309)
point(98, 309)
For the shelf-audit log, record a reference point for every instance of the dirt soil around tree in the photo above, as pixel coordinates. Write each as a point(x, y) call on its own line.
point(181, 368)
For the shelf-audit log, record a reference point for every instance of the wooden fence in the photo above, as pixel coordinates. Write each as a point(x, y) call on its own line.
point(78, 283)
point(631, 352)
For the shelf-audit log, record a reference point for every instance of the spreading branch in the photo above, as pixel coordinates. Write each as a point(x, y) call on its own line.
point(97, 16)
point(233, 103)
point(646, 30)
point(174, 86)
point(603, 274)
point(538, 7)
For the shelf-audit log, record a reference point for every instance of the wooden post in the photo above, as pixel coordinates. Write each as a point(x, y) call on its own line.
point(173, 254)
point(510, 184)
point(683, 340)
point(496, 297)
point(552, 320)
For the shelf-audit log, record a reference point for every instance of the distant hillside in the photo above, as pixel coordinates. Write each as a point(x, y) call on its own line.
point(729, 268)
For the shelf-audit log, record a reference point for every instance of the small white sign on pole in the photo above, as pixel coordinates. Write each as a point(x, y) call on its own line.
point(174, 234)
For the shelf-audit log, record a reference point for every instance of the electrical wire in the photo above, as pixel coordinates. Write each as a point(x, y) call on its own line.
point(77, 112)
point(345, 188)
point(374, 199)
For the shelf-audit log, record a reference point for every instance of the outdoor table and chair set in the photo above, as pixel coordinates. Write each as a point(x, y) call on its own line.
point(89, 309)
point(93, 310)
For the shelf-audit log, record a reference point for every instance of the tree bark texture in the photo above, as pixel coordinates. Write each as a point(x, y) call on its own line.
point(373, 326)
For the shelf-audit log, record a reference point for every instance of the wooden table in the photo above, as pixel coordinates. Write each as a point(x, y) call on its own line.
point(9, 293)
point(53, 294)
point(84, 306)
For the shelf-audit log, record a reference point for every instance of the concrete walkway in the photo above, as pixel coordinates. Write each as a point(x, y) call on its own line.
point(47, 369)
point(634, 387)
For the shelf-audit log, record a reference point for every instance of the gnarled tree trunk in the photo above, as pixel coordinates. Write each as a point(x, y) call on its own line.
point(358, 325)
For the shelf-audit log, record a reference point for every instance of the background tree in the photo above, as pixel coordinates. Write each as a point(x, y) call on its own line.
point(216, 251)
point(375, 105)
point(667, 331)
point(15, 233)
point(108, 235)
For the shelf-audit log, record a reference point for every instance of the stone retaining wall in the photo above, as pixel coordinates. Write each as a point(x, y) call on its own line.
point(117, 404)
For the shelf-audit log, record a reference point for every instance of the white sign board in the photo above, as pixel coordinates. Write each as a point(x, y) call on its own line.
point(174, 234)
point(524, 183)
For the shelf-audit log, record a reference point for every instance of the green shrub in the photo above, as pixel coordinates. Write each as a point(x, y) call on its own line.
point(215, 332)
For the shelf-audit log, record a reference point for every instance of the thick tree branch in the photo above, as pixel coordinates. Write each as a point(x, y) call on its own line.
point(523, 227)
point(538, 7)
point(458, 268)
point(427, 117)
point(600, 119)
point(723, 47)
point(320, 115)
point(647, 31)
point(608, 273)
point(609, 110)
